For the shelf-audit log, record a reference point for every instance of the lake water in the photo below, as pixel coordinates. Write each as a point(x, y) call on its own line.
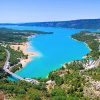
point(54, 49)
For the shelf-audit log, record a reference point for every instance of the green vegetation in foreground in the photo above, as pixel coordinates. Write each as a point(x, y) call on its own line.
point(2, 56)
point(90, 39)
point(16, 68)
point(94, 73)
point(2, 61)
point(69, 86)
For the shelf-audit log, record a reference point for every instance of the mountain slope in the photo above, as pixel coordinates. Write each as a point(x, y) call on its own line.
point(79, 24)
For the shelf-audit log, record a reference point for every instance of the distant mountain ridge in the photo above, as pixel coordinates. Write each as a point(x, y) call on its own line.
point(78, 24)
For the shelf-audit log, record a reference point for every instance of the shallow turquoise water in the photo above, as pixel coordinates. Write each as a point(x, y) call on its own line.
point(55, 49)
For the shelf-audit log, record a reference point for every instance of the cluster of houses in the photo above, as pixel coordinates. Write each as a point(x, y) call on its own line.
point(89, 64)
point(30, 80)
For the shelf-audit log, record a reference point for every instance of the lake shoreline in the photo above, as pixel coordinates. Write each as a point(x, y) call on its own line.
point(86, 46)
point(23, 47)
point(60, 50)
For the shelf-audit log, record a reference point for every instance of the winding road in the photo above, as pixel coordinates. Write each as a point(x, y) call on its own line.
point(6, 69)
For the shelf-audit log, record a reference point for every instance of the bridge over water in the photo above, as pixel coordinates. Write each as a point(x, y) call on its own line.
point(7, 66)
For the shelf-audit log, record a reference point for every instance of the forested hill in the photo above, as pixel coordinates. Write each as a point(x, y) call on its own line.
point(79, 24)
point(17, 36)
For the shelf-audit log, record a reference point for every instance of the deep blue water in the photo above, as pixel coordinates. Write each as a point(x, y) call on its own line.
point(55, 49)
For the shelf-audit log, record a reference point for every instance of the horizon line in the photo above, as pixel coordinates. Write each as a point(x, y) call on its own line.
point(46, 21)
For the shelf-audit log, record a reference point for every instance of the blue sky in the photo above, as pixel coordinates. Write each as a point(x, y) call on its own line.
point(48, 10)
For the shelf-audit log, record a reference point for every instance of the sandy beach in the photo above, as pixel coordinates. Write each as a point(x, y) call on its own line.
point(23, 47)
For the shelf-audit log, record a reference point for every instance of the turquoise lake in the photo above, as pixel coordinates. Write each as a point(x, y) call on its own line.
point(54, 49)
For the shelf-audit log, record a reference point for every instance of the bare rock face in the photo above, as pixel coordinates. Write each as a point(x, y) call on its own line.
point(1, 95)
point(91, 93)
point(92, 89)
point(97, 86)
